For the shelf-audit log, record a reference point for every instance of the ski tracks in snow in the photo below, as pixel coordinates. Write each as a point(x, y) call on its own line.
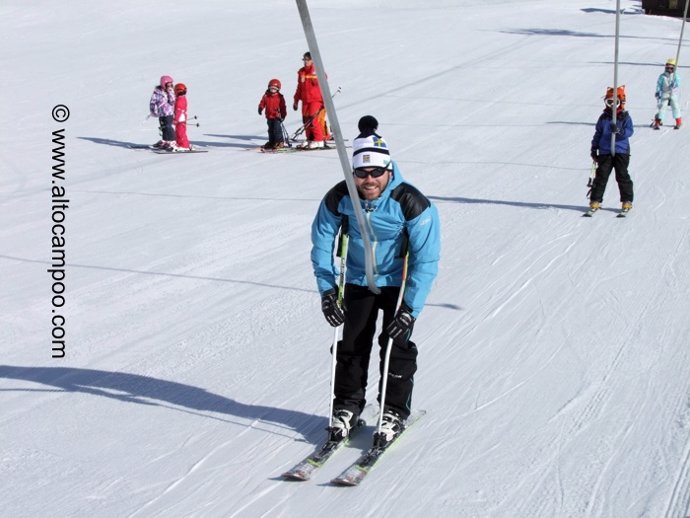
point(679, 500)
point(619, 403)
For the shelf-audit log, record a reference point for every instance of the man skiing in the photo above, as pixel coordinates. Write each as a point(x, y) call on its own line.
point(401, 222)
point(601, 151)
point(667, 92)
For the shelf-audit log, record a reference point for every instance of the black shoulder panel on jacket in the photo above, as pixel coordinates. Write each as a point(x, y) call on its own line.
point(334, 196)
point(412, 202)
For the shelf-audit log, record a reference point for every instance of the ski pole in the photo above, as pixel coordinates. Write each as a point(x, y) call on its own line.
point(592, 173)
point(334, 349)
point(286, 135)
point(389, 346)
point(311, 119)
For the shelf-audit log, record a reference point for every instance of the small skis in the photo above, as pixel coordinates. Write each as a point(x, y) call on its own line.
point(657, 126)
point(622, 213)
point(354, 474)
point(162, 151)
point(179, 152)
point(293, 149)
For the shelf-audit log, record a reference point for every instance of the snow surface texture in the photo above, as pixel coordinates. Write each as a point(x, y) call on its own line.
point(554, 359)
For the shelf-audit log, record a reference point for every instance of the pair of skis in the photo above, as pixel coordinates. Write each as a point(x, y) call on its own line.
point(293, 149)
point(354, 474)
point(162, 151)
point(622, 213)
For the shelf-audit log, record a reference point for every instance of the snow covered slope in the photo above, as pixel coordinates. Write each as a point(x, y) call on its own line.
point(554, 359)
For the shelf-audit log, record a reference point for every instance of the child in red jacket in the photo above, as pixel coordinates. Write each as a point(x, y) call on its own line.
point(274, 104)
point(181, 140)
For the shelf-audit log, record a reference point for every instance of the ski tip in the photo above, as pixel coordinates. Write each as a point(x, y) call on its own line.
point(295, 476)
point(339, 482)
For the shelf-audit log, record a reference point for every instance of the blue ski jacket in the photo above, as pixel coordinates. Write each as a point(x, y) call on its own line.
point(602, 133)
point(401, 220)
point(667, 86)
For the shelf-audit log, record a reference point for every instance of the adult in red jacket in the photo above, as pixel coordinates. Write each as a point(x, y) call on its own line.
point(313, 111)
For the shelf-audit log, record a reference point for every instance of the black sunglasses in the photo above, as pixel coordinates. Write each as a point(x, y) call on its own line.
point(374, 172)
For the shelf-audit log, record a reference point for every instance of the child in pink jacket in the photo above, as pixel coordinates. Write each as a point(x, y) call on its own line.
point(181, 140)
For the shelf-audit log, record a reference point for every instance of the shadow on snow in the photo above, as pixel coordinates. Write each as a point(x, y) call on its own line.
point(129, 145)
point(145, 390)
point(533, 205)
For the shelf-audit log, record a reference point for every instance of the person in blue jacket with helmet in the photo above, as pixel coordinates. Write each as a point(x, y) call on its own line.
point(601, 151)
point(400, 221)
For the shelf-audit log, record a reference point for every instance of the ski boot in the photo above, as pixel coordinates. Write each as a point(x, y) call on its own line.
point(343, 421)
point(679, 123)
point(392, 425)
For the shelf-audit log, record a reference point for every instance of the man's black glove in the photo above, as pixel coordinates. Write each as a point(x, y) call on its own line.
point(329, 305)
point(595, 155)
point(400, 329)
point(614, 127)
point(259, 111)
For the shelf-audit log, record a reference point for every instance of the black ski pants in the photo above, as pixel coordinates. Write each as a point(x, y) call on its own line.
point(167, 128)
point(275, 131)
point(354, 351)
point(605, 165)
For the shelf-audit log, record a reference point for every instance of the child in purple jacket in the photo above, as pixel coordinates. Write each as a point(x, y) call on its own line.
point(162, 105)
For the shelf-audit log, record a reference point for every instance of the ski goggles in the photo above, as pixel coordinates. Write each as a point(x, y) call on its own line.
point(273, 89)
point(609, 102)
point(374, 172)
point(670, 68)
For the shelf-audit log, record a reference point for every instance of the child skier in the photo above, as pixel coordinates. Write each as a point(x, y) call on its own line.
point(181, 140)
point(601, 151)
point(667, 90)
point(274, 104)
point(162, 105)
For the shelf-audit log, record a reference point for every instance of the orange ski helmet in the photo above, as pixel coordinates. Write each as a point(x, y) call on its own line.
point(180, 89)
point(620, 96)
point(275, 83)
